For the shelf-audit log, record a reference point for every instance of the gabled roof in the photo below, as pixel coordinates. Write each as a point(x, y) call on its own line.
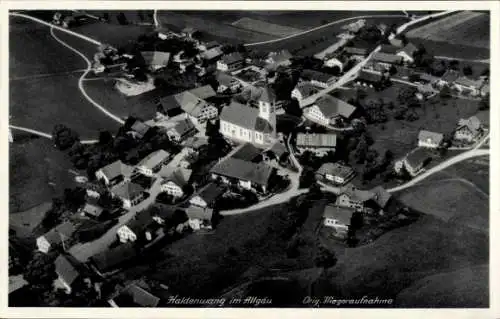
point(140, 221)
point(154, 159)
point(316, 75)
point(387, 57)
point(409, 49)
point(387, 48)
point(195, 142)
point(115, 169)
point(60, 232)
point(127, 190)
point(436, 138)
point(203, 92)
point(356, 194)
point(16, 283)
point(156, 57)
point(184, 126)
point(190, 103)
point(232, 58)
point(316, 140)
point(245, 116)
point(212, 53)
point(211, 44)
point(225, 79)
point(66, 270)
point(111, 258)
point(468, 82)
point(450, 76)
point(140, 127)
point(194, 212)
point(484, 117)
point(336, 169)
point(210, 192)
point(356, 51)
point(243, 170)
point(341, 214)
point(306, 89)
point(91, 209)
point(382, 196)
point(278, 149)
point(369, 77)
point(331, 106)
point(396, 42)
point(472, 123)
point(247, 152)
point(180, 176)
point(133, 295)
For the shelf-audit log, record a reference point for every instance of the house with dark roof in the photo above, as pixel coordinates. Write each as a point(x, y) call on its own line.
point(140, 226)
point(204, 46)
point(230, 62)
point(194, 103)
point(92, 210)
point(175, 181)
point(190, 32)
point(247, 152)
point(430, 139)
point(354, 198)
point(134, 296)
point(194, 144)
point(282, 57)
point(66, 272)
point(386, 60)
point(304, 90)
point(56, 237)
point(245, 123)
point(207, 196)
point(247, 175)
point(109, 260)
point(468, 129)
point(318, 144)
point(139, 129)
point(278, 151)
point(130, 194)
point(407, 52)
point(448, 78)
point(212, 54)
point(356, 52)
point(153, 163)
point(370, 79)
point(382, 197)
point(199, 218)
point(115, 173)
point(182, 130)
point(227, 82)
point(336, 173)
point(156, 59)
point(414, 161)
point(337, 218)
point(328, 110)
point(316, 78)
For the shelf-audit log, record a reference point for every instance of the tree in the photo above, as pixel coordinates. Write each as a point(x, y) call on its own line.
point(393, 70)
point(467, 70)
point(371, 155)
point(122, 19)
point(325, 258)
point(74, 198)
point(361, 150)
point(40, 271)
point(64, 137)
point(445, 92)
point(105, 138)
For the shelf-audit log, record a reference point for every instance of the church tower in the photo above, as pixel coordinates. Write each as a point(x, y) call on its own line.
point(267, 108)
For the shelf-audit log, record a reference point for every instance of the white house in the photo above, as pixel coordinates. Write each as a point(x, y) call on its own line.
point(153, 162)
point(230, 62)
point(303, 90)
point(336, 173)
point(468, 129)
point(333, 62)
point(407, 52)
point(174, 182)
point(130, 194)
point(244, 123)
point(207, 196)
point(55, 237)
point(115, 173)
point(328, 109)
point(429, 139)
point(351, 197)
point(338, 218)
point(135, 227)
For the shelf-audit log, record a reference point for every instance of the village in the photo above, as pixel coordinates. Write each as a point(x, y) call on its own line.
point(256, 129)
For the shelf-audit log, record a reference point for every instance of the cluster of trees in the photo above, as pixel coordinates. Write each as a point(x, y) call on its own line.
point(64, 137)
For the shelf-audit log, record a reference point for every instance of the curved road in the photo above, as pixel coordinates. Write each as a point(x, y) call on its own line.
point(42, 134)
point(324, 26)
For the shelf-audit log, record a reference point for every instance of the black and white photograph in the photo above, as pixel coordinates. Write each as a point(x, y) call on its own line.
point(209, 157)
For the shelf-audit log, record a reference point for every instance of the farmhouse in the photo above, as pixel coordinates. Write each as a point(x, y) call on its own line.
point(336, 173)
point(338, 218)
point(194, 103)
point(182, 130)
point(227, 82)
point(318, 144)
point(328, 110)
point(386, 60)
point(207, 196)
point(67, 274)
point(244, 123)
point(56, 236)
point(466, 85)
point(137, 227)
point(199, 218)
point(317, 78)
point(429, 139)
point(134, 296)
point(448, 78)
point(407, 52)
point(281, 58)
point(130, 194)
point(414, 161)
point(247, 175)
point(468, 129)
point(193, 144)
point(304, 90)
point(355, 52)
point(247, 152)
point(175, 180)
point(155, 59)
point(139, 128)
point(110, 259)
point(351, 197)
point(205, 46)
point(369, 79)
point(115, 173)
point(153, 162)
point(230, 62)
point(382, 197)
point(92, 210)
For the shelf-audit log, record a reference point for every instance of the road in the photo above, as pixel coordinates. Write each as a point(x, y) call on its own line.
point(42, 134)
point(322, 27)
point(439, 57)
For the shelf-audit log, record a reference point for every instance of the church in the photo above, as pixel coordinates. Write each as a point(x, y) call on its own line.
point(246, 123)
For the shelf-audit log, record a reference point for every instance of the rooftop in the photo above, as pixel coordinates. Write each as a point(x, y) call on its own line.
point(154, 159)
point(435, 138)
point(247, 152)
point(331, 106)
point(316, 75)
point(116, 169)
point(243, 170)
point(232, 58)
point(66, 270)
point(210, 192)
point(60, 232)
point(135, 296)
point(244, 116)
point(128, 190)
point(156, 57)
point(316, 140)
point(418, 157)
point(336, 169)
point(341, 214)
point(111, 258)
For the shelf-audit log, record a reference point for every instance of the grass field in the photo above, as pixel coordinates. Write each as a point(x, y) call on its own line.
point(403, 256)
point(42, 93)
point(33, 164)
point(463, 35)
point(265, 27)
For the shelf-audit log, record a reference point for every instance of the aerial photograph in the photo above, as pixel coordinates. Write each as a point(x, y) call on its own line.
point(249, 159)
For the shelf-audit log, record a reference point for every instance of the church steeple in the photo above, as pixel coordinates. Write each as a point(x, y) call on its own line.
point(267, 104)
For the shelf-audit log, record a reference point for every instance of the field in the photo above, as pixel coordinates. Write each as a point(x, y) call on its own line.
point(43, 87)
point(37, 172)
point(462, 35)
point(404, 256)
point(265, 27)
